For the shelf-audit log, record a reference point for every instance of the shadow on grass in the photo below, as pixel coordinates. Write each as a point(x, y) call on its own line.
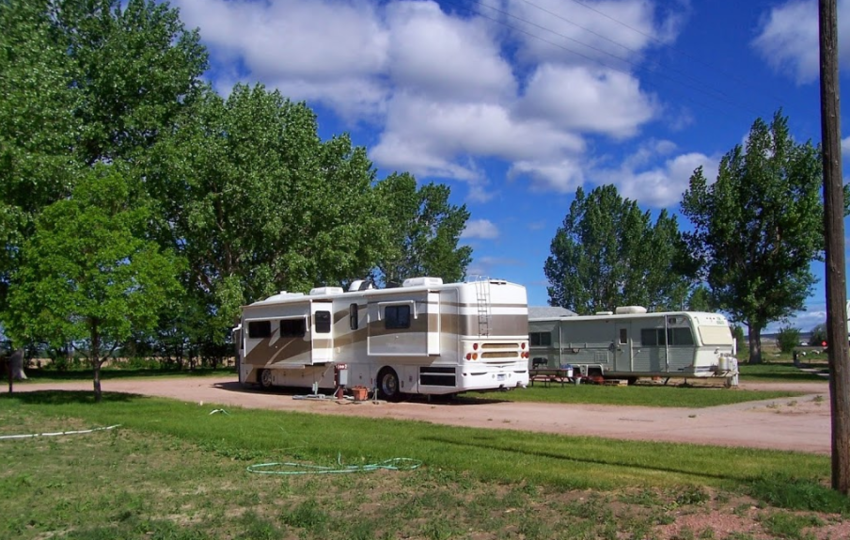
point(37, 375)
point(67, 397)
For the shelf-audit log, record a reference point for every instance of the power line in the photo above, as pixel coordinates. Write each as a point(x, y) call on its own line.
point(597, 60)
point(652, 38)
point(700, 85)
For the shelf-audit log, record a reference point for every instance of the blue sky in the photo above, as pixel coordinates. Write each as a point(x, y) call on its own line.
point(515, 103)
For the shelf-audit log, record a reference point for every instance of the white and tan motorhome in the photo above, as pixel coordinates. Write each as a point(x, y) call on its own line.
point(425, 337)
point(632, 343)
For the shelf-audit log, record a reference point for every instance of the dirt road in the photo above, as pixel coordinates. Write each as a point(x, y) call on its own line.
point(801, 424)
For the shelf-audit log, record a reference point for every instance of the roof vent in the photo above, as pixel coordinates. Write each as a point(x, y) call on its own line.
point(630, 309)
point(324, 291)
point(422, 282)
point(360, 285)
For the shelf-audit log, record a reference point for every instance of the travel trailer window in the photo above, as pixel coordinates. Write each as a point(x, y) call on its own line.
point(675, 336)
point(624, 336)
point(680, 336)
point(323, 322)
point(649, 337)
point(397, 317)
point(540, 339)
point(291, 328)
point(352, 316)
point(259, 329)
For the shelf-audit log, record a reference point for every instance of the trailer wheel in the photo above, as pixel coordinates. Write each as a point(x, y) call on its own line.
point(388, 385)
point(265, 379)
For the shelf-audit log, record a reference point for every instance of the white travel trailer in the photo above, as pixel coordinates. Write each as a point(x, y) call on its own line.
point(424, 337)
point(632, 343)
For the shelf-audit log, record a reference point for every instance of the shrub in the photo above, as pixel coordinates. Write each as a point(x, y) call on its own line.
point(818, 336)
point(788, 338)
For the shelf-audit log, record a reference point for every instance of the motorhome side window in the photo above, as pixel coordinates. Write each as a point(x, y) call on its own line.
point(540, 339)
point(291, 328)
point(323, 322)
point(352, 316)
point(259, 329)
point(397, 317)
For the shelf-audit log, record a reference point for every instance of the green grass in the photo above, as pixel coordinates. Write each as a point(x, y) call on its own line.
point(637, 395)
point(778, 372)
point(173, 470)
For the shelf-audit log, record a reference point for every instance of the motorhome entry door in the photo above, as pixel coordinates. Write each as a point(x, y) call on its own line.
point(321, 332)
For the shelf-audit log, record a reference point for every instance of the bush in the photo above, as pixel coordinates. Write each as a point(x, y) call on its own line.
point(818, 336)
point(788, 338)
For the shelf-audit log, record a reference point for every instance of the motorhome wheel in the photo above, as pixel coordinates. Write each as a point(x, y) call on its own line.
point(388, 385)
point(265, 377)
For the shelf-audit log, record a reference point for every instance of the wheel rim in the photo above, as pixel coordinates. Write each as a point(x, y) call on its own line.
point(389, 384)
point(266, 378)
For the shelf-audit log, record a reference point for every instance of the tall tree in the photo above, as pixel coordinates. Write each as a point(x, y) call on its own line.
point(758, 227)
point(37, 125)
point(424, 231)
point(83, 82)
point(88, 276)
point(256, 202)
point(608, 253)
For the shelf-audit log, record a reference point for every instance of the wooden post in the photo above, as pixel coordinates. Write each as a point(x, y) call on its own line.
point(836, 284)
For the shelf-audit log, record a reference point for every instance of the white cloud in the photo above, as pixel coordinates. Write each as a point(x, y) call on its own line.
point(480, 228)
point(660, 186)
point(559, 175)
point(583, 32)
point(788, 38)
point(317, 49)
point(444, 56)
point(427, 137)
point(600, 101)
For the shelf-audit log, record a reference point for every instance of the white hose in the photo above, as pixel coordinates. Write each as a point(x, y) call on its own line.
point(56, 434)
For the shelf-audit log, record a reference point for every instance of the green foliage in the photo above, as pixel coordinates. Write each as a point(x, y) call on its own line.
point(608, 253)
point(424, 232)
point(788, 338)
point(700, 299)
point(257, 203)
point(818, 336)
point(759, 226)
point(87, 275)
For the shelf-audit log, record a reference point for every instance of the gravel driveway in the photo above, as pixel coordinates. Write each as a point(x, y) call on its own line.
point(801, 423)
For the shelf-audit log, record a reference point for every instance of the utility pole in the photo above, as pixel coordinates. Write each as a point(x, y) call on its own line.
point(836, 283)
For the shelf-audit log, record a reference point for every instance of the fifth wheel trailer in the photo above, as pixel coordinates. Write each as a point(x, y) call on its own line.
point(632, 343)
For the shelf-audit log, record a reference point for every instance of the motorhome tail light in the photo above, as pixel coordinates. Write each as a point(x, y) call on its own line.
point(469, 356)
point(475, 356)
point(523, 345)
point(474, 346)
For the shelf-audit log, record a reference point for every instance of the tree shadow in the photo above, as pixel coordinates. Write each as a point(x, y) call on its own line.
point(37, 375)
point(67, 397)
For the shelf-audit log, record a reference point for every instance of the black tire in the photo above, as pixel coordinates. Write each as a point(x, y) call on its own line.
point(264, 379)
point(389, 387)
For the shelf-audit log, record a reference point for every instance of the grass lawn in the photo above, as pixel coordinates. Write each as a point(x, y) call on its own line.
point(107, 373)
point(173, 470)
point(781, 371)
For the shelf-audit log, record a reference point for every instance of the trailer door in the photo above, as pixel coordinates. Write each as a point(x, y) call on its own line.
point(623, 347)
point(321, 331)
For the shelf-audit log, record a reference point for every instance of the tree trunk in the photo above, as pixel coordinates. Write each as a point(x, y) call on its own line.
point(754, 339)
point(95, 359)
point(96, 366)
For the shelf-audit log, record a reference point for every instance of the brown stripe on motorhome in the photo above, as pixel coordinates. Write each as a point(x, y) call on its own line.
point(265, 352)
